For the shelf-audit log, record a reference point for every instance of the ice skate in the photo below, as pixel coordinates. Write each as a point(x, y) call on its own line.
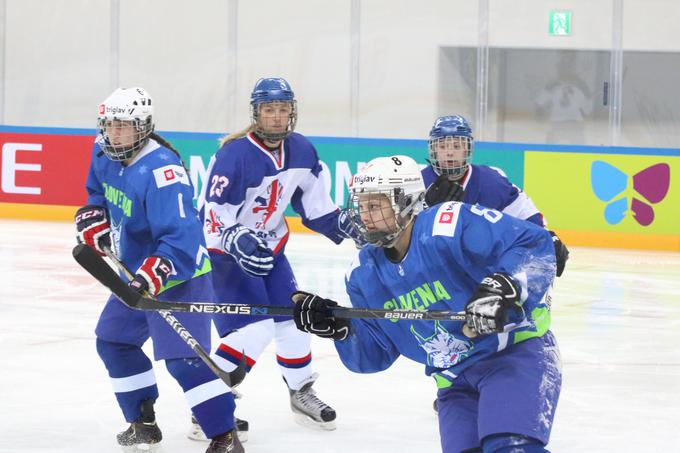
point(225, 443)
point(196, 433)
point(142, 435)
point(309, 410)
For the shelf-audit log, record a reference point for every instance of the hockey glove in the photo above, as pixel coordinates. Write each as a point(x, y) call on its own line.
point(347, 229)
point(487, 310)
point(561, 253)
point(442, 190)
point(249, 251)
point(151, 275)
point(93, 228)
point(313, 314)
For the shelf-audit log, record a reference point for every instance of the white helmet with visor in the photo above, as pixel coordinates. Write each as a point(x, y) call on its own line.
point(384, 197)
point(125, 123)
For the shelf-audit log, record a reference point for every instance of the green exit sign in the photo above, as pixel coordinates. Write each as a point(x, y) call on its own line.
point(560, 23)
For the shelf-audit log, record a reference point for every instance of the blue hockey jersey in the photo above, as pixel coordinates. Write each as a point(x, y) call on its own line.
point(489, 187)
point(453, 247)
point(150, 206)
point(252, 185)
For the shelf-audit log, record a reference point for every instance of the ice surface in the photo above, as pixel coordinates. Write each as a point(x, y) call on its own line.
point(616, 315)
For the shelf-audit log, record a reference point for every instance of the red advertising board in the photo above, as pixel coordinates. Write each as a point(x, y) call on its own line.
point(44, 169)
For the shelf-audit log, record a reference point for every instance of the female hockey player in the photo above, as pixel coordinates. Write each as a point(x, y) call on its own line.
point(452, 177)
point(499, 372)
point(140, 207)
point(252, 179)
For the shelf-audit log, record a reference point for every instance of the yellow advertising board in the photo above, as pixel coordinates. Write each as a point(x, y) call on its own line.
point(616, 200)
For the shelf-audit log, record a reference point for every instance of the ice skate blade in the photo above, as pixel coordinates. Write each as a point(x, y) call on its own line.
point(308, 422)
point(197, 434)
point(142, 448)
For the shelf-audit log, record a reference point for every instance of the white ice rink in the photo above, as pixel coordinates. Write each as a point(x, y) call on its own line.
point(616, 317)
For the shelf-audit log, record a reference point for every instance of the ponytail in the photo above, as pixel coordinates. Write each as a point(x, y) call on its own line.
point(236, 135)
point(167, 144)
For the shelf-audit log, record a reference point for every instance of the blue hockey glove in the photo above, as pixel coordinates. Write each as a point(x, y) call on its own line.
point(313, 314)
point(487, 310)
point(249, 251)
point(561, 253)
point(151, 275)
point(348, 230)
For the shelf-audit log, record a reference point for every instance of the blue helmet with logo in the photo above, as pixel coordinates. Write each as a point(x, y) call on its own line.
point(450, 146)
point(269, 90)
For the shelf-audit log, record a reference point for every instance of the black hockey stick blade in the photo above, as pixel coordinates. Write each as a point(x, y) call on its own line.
point(99, 269)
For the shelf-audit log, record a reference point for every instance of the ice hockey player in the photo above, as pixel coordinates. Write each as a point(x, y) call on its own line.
point(499, 372)
point(452, 177)
point(139, 206)
point(252, 179)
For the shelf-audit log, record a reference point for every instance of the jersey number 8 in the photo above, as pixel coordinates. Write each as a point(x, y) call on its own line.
point(491, 215)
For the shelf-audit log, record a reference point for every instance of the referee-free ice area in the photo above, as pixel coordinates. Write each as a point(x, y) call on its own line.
point(616, 315)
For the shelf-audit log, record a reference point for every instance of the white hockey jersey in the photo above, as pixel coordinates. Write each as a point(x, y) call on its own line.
point(251, 185)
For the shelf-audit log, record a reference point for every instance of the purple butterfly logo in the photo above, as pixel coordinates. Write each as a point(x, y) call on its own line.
point(651, 184)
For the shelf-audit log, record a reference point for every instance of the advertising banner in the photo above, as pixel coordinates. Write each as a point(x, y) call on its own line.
point(625, 195)
point(600, 196)
point(44, 168)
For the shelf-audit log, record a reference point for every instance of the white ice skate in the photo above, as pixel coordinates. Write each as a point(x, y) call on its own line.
point(196, 433)
point(308, 409)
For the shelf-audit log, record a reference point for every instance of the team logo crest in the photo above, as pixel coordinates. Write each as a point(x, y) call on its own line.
point(651, 186)
point(442, 348)
point(266, 207)
point(213, 224)
point(116, 228)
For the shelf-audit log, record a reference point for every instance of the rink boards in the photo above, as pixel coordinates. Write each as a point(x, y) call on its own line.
point(592, 195)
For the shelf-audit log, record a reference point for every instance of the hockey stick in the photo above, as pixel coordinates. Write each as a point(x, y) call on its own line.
point(98, 268)
point(84, 256)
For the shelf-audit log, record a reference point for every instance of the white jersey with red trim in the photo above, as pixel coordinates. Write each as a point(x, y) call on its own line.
point(252, 185)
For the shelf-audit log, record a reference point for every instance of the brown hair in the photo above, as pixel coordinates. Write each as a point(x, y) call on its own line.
point(167, 144)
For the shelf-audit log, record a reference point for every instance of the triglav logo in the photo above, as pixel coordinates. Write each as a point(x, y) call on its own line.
point(651, 184)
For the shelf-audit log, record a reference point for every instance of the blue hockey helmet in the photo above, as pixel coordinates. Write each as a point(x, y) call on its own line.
point(269, 90)
point(450, 146)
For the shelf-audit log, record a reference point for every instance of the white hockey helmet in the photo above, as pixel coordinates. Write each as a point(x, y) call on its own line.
point(125, 106)
point(395, 178)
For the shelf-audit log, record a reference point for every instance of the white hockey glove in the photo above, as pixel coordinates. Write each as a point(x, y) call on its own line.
point(249, 251)
point(487, 310)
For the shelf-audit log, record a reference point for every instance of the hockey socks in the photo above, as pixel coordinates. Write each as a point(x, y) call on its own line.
point(131, 374)
point(210, 400)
